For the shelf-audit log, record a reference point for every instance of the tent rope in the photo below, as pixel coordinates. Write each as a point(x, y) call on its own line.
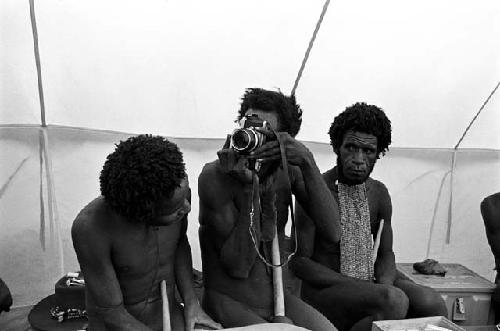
point(308, 51)
point(477, 114)
point(453, 163)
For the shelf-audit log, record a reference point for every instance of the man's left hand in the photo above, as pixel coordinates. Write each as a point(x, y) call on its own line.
point(195, 315)
point(296, 153)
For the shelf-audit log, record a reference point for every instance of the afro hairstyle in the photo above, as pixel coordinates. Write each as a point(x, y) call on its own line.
point(140, 172)
point(289, 112)
point(364, 118)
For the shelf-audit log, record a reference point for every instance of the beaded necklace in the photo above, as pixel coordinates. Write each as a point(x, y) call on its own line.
point(356, 242)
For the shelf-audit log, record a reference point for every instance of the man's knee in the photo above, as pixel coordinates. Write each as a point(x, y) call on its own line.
point(430, 303)
point(393, 303)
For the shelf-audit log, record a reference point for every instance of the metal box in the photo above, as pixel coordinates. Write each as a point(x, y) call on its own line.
point(467, 295)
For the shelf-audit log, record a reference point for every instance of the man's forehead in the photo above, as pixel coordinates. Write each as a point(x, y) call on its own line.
point(360, 138)
point(270, 116)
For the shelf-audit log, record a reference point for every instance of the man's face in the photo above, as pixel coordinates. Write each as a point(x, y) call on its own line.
point(270, 117)
point(173, 209)
point(356, 157)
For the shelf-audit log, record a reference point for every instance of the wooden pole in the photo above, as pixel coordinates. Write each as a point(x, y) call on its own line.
point(166, 310)
point(279, 297)
point(376, 245)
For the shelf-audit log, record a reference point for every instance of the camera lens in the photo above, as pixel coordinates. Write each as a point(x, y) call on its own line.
point(241, 139)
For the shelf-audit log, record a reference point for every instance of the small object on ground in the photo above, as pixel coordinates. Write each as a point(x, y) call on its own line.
point(429, 267)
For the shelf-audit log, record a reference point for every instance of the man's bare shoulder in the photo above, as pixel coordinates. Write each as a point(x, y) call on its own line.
point(212, 182)
point(377, 186)
point(209, 170)
point(92, 220)
point(491, 202)
point(490, 209)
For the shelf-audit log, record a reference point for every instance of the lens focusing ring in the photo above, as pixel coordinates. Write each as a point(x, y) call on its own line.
point(252, 140)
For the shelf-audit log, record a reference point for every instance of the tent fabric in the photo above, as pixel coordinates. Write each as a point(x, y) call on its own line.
point(413, 177)
point(178, 68)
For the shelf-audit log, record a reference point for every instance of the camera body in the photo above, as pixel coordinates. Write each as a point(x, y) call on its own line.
point(246, 139)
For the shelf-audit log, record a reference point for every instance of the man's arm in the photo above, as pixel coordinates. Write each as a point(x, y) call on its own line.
point(385, 264)
point(302, 264)
point(308, 185)
point(93, 250)
point(193, 313)
point(315, 197)
point(230, 225)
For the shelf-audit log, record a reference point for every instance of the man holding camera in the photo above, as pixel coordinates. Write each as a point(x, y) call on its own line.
point(244, 198)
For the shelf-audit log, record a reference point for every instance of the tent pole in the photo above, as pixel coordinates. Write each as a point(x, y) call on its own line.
point(37, 61)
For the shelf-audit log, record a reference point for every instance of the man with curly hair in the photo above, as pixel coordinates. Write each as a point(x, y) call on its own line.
point(344, 280)
point(134, 236)
point(240, 208)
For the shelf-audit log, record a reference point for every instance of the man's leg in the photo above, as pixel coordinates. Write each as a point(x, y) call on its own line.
point(305, 316)
point(355, 304)
point(229, 312)
point(424, 301)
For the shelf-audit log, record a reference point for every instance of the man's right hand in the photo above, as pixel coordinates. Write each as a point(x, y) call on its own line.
point(233, 164)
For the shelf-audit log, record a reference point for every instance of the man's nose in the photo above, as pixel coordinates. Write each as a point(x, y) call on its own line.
point(358, 158)
point(187, 207)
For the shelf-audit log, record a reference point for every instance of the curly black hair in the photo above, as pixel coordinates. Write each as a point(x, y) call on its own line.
point(139, 173)
point(289, 112)
point(364, 118)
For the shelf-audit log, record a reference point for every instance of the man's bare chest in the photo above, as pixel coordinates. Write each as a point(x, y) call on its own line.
point(136, 253)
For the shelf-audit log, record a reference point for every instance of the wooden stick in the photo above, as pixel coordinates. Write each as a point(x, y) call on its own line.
point(166, 310)
point(279, 297)
point(376, 245)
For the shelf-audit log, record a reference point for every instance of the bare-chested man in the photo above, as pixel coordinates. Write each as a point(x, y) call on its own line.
point(134, 236)
point(490, 210)
point(238, 284)
point(340, 279)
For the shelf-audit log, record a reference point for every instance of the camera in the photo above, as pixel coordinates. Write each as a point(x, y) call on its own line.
point(246, 139)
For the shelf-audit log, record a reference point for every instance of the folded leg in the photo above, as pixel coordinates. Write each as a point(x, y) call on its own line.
point(229, 312)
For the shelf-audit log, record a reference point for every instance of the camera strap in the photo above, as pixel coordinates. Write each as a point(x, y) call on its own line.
point(255, 187)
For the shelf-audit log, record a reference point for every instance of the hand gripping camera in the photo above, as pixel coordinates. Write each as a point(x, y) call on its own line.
point(246, 139)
